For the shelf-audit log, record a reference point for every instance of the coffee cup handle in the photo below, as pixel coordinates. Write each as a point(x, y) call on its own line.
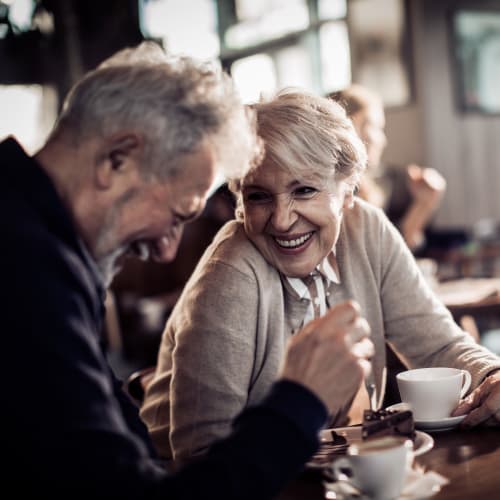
point(342, 469)
point(466, 382)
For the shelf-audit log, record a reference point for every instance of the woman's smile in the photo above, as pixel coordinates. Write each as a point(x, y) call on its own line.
point(294, 244)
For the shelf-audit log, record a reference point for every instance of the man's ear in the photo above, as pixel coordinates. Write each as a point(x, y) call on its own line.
point(117, 155)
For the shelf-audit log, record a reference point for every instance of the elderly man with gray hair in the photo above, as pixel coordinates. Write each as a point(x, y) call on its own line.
point(132, 158)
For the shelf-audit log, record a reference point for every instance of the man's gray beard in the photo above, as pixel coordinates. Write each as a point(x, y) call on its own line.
point(109, 267)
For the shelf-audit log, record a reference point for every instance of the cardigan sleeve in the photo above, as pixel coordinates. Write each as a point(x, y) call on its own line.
point(214, 330)
point(417, 323)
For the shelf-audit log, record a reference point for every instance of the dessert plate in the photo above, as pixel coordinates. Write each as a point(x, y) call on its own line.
point(440, 425)
point(335, 441)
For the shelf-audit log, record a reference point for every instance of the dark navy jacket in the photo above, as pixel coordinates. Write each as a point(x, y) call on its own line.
point(68, 430)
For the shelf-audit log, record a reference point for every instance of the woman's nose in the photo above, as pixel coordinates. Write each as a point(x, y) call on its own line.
point(283, 215)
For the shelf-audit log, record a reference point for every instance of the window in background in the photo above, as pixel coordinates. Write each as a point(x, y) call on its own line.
point(15, 16)
point(254, 76)
point(28, 113)
point(19, 17)
point(294, 67)
point(380, 48)
point(335, 60)
point(305, 41)
point(28, 106)
point(262, 20)
point(261, 74)
point(332, 9)
point(476, 44)
point(270, 44)
point(183, 27)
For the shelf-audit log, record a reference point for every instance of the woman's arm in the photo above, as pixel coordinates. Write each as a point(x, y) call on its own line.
point(214, 330)
point(416, 322)
point(427, 188)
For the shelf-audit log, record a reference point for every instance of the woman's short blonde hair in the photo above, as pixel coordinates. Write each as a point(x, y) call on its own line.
point(309, 136)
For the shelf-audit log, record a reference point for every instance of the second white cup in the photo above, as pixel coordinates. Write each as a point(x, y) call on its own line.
point(377, 467)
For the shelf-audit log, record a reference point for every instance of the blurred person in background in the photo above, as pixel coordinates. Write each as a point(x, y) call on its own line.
point(132, 158)
point(409, 196)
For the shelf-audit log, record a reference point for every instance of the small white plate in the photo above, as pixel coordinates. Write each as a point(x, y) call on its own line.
point(440, 425)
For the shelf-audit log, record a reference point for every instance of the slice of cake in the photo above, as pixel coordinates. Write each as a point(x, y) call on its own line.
point(388, 423)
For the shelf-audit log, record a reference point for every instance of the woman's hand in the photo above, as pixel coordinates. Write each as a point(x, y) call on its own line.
point(482, 406)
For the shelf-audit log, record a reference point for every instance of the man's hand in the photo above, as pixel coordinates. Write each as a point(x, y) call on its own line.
point(482, 406)
point(331, 355)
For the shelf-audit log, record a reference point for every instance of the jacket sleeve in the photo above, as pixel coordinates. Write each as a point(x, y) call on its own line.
point(268, 446)
point(66, 428)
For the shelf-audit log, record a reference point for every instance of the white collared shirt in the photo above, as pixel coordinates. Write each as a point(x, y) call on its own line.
point(316, 292)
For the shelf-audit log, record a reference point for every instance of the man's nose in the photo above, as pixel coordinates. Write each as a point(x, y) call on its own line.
point(283, 215)
point(166, 253)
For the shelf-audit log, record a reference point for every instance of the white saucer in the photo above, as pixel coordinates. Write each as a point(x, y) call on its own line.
point(444, 424)
point(440, 425)
point(419, 483)
point(422, 444)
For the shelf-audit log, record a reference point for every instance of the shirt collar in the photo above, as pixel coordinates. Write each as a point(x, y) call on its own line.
point(326, 268)
point(329, 268)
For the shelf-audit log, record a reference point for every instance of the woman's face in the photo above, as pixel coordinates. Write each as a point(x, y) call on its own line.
point(293, 223)
point(370, 125)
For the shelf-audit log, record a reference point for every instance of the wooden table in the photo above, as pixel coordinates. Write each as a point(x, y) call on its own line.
point(475, 297)
point(474, 259)
point(469, 292)
point(469, 459)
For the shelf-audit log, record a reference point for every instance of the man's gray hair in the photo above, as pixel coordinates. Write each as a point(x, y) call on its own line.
point(176, 103)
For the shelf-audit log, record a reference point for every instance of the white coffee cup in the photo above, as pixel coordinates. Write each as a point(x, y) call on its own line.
point(433, 393)
point(376, 467)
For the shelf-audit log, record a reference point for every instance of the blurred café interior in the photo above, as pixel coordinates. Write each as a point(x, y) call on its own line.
point(435, 64)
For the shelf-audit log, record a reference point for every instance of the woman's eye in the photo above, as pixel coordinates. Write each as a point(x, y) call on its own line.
point(304, 192)
point(258, 197)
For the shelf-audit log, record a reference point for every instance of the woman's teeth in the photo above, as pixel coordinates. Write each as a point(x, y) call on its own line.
point(293, 243)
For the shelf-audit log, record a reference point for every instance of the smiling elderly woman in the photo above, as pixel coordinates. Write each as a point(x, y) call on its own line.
point(301, 243)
